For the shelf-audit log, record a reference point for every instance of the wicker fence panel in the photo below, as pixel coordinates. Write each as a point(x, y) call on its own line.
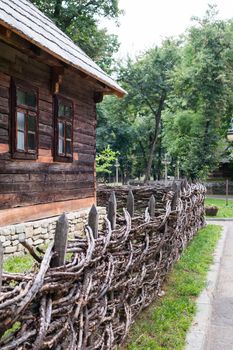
point(91, 301)
point(141, 195)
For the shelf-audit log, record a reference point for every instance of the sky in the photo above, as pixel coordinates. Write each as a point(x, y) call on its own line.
point(146, 22)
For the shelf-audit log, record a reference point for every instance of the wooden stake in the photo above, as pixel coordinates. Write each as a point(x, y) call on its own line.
point(1, 264)
point(174, 186)
point(151, 206)
point(60, 241)
point(112, 208)
point(93, 220)
point(130, 203)
point(174, 200)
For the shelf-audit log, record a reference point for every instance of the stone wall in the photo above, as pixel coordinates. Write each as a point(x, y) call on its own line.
point(41, 232)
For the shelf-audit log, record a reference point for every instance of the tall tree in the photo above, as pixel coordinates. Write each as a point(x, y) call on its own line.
point(132, 126)
point(148, 82)
point(79, 20)
point(203, 93)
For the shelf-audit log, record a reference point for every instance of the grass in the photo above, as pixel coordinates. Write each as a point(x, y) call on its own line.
point(24, 263)
point(19, 264)
point(224, 211)
point(16, 326)
point(163, 326)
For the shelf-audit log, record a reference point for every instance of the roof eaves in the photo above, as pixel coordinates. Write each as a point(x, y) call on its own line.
point(91, 70)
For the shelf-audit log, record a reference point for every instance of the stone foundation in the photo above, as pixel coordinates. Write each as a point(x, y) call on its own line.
point(41, 232)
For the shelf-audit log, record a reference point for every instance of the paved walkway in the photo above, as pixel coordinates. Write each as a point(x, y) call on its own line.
point(219, 196)
point(220, 330)
point(212, 328)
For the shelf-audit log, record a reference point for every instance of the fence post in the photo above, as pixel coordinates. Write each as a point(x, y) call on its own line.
point(227, 191)
point(130, 203)
point(174, 199)
point(1, 264)
point(112, 208)
point(151, 206)
point(174, 186)
point(183, 185)
point(93, 220)
point(60, 241)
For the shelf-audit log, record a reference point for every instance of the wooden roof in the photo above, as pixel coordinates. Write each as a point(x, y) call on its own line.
point(23, 18)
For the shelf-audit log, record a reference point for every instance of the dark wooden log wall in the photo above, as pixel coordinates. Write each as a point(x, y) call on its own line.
point(25, 183)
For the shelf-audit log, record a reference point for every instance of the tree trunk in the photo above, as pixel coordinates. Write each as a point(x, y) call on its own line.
point(159, 159)
point(155, 138)
point(145, 160)
point(149, 164)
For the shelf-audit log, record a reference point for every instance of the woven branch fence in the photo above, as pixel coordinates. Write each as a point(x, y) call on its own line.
point(141, 195)
point(91, 301)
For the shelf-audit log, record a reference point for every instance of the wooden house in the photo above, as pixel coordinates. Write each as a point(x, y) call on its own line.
point(48, 93)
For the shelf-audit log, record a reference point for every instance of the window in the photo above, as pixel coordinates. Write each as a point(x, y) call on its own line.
point(25, 121)
point(63, 129)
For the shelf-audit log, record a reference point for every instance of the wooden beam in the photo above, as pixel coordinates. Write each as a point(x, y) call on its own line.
point(8, 33)
point(41, 211)
point(98, 96)
point(82, 75)
point(26, 47)
point(5, 32)
point(36, 50)
point(57, 77)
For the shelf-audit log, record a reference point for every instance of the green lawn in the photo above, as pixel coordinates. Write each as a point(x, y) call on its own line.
point(19, 264)
point(24, 263)
point(163, 326)
point(223, 211)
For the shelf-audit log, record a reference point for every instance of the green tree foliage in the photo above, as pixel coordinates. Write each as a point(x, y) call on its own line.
point(135, 122)
point(148, 82)
point(117, 130)
point(180, 101)
point(202, 99)
point(79, 20)
point(181, 136)
point(105, 161)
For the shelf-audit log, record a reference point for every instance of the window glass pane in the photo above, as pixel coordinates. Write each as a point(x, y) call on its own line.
point(26, 98)
point(21, 97)
point(31, 98)
point(68, 111)
point(31, 123)
point(20, 140)
point(20, 121)
point(68, 131)
point(61, 129)
point(31, 142)
point(61, 146)
point(61, 110)
point(68, 147)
